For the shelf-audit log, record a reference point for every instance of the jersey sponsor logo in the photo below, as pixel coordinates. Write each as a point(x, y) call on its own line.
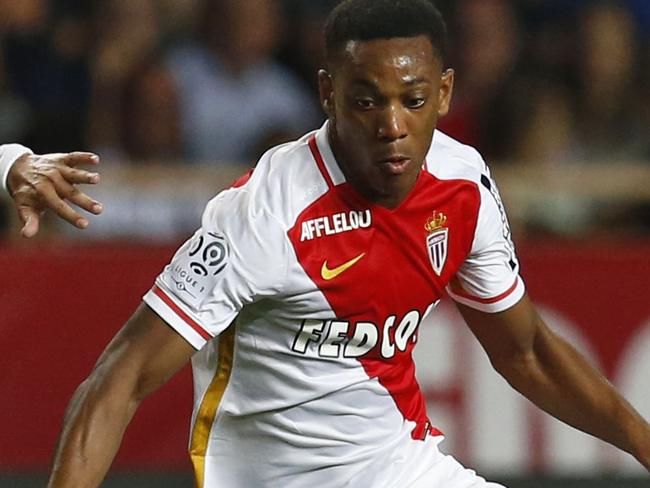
point(329, 274)
point(335, 224)
point(196, 265)
point(437, 241)
point(340, 338)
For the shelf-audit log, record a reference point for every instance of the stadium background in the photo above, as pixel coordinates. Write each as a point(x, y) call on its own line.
point(553, 92)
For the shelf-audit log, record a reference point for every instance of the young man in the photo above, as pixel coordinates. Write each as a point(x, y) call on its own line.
point(304, 289)
point(39, 182)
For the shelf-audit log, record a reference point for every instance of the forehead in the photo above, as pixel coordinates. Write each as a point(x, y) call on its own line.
point(400, 59)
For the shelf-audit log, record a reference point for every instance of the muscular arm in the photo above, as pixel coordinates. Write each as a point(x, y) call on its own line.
point(553, 375)
point(140, 358)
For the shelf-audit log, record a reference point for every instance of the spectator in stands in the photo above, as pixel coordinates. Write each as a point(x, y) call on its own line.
point(150, 124)
point(539, 100)
point(233, 95)
point(641, 11)
point(45, 54)
point(303, 50)
point(644, 99)
point(610, 121)
point(128, 34)
point(14, 111)
point(489, 43)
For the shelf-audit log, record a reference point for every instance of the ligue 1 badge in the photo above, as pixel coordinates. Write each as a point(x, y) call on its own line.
point(438, 235)
point(197, 266)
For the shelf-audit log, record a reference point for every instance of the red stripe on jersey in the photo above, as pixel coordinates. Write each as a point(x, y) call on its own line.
point(186, 318)
point(243, 179)
point(319, 161)
point(394, 277)
point(458, 290)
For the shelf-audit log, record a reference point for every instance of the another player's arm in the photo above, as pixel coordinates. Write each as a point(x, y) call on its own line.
point(38, 182)
point(553, 375)
point(139, 359)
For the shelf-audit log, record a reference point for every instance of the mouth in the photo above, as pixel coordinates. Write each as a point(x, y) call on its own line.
point(395, 165)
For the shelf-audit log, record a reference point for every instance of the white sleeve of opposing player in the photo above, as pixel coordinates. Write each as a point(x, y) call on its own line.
point(489, 278)
point(9, 153)
point(238, 257)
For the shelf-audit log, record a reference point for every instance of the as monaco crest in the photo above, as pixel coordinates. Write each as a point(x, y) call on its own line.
point(437, 241)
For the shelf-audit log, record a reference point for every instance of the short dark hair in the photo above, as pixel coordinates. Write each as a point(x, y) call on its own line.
point(366, 20)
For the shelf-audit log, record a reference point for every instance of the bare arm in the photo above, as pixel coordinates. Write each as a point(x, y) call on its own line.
point(140, 358)
point(553, 375)
point(39, 182)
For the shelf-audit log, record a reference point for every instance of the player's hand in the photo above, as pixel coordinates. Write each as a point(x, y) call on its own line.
point(37, 183)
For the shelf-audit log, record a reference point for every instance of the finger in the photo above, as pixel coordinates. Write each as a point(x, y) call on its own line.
point(82, 200)
point(65, 190)
point(79, 176)
point(30, 219)
point(78, 158)
point(51, 199)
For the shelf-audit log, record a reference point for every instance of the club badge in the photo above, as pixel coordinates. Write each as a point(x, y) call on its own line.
point(437, 238)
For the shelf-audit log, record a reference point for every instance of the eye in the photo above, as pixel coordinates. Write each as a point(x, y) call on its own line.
point(416, 102)
point(364, 103)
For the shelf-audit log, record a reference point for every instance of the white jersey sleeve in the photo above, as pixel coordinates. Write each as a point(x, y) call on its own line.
point(237, 257)
point(489, 278)
point(9, 153)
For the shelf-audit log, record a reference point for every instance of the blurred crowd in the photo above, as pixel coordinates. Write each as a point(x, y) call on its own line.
point(218, 81)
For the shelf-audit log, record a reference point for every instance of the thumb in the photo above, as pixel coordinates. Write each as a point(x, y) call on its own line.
point(30, 219)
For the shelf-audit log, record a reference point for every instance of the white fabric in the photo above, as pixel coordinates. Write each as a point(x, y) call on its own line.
point(492, 268)
point(447, 472)
point(9, 153)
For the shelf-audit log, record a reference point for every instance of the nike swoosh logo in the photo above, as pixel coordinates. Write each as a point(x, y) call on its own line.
point(329, 274)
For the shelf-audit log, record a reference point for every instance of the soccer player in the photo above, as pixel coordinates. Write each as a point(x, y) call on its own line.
point(36, 182)
point(299, 299)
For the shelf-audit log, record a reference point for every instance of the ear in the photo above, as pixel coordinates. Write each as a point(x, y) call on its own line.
point(326, 92)
point(446, 92)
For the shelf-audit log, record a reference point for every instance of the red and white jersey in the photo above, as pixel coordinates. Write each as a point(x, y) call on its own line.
point(304, 299)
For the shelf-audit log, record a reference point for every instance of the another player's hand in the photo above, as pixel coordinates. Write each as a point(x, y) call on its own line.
point(37, 183)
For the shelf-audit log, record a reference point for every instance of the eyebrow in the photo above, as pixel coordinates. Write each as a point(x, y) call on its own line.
point(373, 85)
point(417, 81)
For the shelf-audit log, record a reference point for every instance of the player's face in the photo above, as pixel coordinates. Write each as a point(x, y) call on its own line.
point(384, 98)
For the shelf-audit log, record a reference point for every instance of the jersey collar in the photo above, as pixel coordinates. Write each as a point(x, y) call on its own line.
point(330, 165)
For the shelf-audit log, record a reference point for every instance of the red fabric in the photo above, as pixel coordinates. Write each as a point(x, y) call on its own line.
point(186, 318)
point(395, 275)
point(456, 287)
point(243, 179)
point(319, 161)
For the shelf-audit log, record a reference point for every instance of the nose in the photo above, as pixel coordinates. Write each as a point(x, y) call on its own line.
point(391, 125)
